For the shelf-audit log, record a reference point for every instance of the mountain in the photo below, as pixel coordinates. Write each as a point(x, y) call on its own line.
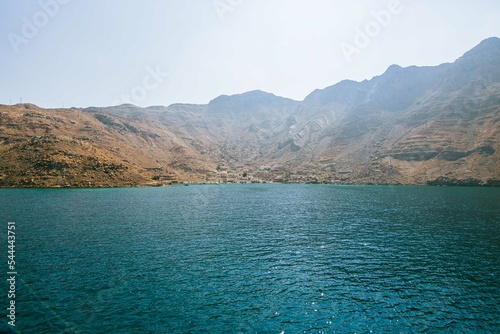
point(413, 125)
point(409, 125)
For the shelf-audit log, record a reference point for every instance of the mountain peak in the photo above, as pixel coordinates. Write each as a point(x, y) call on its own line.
point(488, 48)
point(393, 69)
point(490, 42)
point(250, 94)
point(256, 96)
point(250, 102)
point(256, 92)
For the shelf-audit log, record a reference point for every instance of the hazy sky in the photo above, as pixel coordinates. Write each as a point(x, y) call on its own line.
point(103, 52)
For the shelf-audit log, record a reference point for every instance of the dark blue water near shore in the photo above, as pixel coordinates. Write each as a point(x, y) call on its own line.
point(256, 259)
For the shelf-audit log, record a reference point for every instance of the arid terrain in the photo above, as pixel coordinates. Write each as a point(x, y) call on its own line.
point(416, 125)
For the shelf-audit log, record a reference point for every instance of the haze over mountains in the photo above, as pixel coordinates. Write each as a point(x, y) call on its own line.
point(414, 125)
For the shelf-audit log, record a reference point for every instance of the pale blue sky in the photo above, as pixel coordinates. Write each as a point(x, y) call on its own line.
point(103, 52)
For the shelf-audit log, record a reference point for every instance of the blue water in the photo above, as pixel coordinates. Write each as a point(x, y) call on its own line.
point(255, 259)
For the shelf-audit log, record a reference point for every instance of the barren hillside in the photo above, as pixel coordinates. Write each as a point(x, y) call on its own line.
point(414, 125)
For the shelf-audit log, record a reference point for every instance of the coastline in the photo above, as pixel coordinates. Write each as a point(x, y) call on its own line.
point(449, 183)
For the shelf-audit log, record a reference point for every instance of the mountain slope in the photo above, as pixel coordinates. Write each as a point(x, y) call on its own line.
point(414, 125)
point(69, 147)
point(407, 124)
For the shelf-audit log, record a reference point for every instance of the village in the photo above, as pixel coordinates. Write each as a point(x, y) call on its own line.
point(272, 174)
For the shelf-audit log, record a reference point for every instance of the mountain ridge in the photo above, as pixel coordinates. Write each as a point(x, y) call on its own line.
point(409, 125)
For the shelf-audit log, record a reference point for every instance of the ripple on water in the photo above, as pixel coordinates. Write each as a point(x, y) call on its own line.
point(258, 258)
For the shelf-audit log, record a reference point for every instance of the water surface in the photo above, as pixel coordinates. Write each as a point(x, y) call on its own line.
point(256, 259)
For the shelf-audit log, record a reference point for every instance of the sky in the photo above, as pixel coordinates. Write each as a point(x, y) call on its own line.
point(80, 53)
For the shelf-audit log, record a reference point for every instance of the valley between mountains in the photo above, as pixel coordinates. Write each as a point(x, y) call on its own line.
point(435, 125)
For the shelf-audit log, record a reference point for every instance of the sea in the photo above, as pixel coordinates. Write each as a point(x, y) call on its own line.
point(253, 258)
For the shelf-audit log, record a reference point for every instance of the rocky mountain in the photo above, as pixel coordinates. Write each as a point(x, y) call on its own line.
point(409, 125)
point(414, 125)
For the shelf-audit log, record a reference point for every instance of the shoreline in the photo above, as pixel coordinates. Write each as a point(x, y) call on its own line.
point(180, 184)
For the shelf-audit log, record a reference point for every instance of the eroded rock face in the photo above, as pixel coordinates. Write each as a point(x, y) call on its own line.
point(471, 182)
point(417, 125)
